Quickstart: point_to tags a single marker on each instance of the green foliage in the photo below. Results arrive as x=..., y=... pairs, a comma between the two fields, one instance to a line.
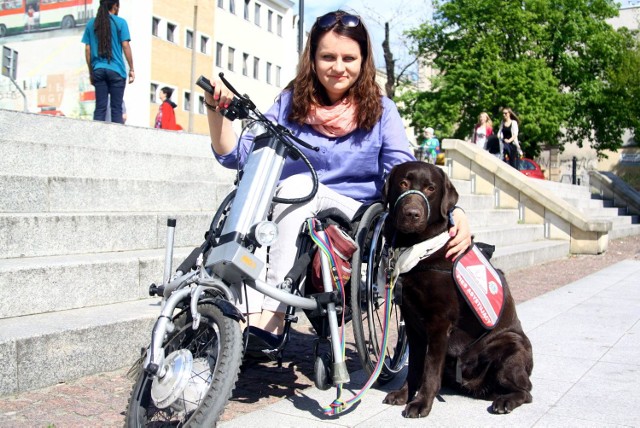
x=567, y=73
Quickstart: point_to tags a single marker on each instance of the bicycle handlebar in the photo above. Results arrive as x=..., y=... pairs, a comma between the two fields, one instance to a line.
x=242, y=107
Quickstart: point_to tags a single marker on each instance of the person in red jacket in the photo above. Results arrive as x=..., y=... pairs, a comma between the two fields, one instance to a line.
x=166, y=117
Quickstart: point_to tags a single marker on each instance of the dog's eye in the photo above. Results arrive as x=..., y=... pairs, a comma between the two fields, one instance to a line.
x=404, y=184
x=431, y=189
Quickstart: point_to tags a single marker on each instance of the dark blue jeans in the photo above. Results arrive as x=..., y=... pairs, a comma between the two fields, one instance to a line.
x=108, y=83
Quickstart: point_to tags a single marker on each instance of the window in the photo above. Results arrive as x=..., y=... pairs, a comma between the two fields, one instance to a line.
x=278, y=70
x=153, y=90
x=155, y=23
x=256, y=67
x=171, y=30
x=232, y=6
x=279, y=25
x=232, y=54
x=269, y=73
x=245, y=65
x=187, y=101
x=189, y=40
x=201, y=107
x=270, y=21
x=246, y=9
x=256, y=18
x=220, y=3
x=204, y=44
x=218, y=54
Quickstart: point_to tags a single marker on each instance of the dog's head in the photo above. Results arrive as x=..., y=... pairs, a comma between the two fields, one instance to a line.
x=418, y=196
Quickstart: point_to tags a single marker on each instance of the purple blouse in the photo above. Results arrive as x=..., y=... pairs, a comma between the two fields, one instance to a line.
x=354, y=165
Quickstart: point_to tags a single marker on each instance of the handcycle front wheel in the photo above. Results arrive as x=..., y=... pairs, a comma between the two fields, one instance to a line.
x=368, y=293
x=202, y=369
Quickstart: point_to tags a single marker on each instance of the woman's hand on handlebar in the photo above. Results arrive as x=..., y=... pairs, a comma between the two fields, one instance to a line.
x=223, y=138
x=221, y=97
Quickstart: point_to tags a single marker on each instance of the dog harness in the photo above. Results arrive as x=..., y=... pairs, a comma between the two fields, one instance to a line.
x=406, y=258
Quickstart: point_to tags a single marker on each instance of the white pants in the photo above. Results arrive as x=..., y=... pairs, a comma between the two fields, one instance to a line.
x=289, y=219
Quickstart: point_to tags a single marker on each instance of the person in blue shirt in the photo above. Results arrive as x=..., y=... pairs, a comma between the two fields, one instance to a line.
x=335, y=104
x=431, y=146
x=106, y=38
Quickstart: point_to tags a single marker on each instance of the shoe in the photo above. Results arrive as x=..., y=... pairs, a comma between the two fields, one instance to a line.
x=260, y=340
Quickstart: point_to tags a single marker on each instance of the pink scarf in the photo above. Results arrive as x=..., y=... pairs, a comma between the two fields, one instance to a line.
x=333, y=121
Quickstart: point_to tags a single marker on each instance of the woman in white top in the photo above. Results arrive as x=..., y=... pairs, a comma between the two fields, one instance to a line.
x=482, y=131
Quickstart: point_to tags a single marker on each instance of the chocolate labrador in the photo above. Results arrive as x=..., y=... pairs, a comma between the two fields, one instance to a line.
x=447, y=343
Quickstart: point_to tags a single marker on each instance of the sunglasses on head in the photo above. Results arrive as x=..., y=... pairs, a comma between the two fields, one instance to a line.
x=331, y=18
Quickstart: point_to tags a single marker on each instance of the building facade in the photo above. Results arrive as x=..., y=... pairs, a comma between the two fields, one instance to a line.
x=173, y=43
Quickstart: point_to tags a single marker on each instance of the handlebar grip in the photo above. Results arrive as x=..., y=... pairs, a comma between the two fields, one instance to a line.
x=205, y=84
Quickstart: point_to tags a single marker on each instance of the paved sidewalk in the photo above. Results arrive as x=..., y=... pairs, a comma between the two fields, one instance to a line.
x=586, y=346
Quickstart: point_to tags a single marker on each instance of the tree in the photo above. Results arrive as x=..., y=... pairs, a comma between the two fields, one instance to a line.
x=553, y=61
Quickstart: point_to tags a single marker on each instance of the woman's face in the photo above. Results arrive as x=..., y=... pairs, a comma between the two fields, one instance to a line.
x=483, y=118
x=506, y=115
x=338, y=62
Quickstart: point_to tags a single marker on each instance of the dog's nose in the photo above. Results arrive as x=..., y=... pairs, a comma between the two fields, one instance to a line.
x=412, y=213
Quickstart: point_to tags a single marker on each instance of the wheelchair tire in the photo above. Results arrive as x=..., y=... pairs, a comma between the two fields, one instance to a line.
x=368, y=279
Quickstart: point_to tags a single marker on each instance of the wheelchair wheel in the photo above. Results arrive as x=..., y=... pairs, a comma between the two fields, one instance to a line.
x=368, y=279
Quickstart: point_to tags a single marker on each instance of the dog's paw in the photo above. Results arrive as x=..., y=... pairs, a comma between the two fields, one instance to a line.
x=396, y=398
x=418, y=408
x=506, y=403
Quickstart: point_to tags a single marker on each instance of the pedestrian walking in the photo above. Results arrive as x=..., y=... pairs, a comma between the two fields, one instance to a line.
x=106, y=38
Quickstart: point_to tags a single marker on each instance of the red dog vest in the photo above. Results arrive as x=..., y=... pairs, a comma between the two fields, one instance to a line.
x=481, y=286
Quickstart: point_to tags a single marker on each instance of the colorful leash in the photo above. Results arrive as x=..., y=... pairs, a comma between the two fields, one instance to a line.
x=339, y=405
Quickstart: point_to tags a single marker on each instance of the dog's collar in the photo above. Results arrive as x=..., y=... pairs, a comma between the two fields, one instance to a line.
x=414, y=192
x=407, y=258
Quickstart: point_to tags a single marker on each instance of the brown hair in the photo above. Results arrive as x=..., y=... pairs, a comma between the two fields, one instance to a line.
x=365, y=92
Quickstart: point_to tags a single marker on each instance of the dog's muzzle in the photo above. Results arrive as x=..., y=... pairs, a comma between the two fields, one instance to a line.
x=414, y=192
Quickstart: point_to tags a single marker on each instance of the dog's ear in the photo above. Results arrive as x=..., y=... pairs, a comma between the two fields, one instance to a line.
x=385, y=187
x=449, y=195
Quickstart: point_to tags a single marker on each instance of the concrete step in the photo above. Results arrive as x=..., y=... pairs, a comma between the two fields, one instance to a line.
x=56, y=132
x=622, y=230
x=59, y=283
x=46, y=349
x=190, y=161
x=40, y=194
x=475, y=202
x=515, y=257
x=496, y=218
x=564, y=190
x=509, y=235
x=41, y=234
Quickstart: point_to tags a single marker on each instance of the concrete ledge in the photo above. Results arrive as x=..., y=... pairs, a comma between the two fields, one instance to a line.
x=36, y=235
x=43, y=350
x=60, y=283
x=467, y=161
x=73, y=194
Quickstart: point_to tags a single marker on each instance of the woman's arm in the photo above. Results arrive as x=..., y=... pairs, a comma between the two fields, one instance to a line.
x=223, y=138
x=460, y=233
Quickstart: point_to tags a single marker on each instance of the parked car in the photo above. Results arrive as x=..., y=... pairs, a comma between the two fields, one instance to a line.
x=530, y=168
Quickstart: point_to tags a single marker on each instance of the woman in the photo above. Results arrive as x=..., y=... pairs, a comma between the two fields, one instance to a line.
x=508, y=135
x=106, y=38
x=166, y=117
x=335, y=104
x=483, y=130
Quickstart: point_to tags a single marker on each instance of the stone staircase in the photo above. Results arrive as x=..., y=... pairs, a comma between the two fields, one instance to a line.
x=623, y=223
x=83, y=210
